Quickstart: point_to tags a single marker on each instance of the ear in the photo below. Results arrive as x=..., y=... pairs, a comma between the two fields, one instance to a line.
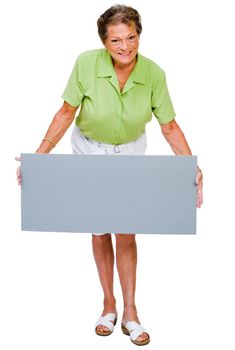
x=104, y=42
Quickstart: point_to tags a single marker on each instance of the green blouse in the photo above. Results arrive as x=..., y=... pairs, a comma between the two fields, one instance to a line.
x=108, y=114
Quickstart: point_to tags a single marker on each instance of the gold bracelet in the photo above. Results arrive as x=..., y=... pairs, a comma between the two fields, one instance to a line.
x=50, y=140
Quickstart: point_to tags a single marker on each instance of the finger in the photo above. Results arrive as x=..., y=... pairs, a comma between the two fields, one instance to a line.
x=198, y=203
x=200, y=185
x=198, y=177
x=19, y=180
x=18, y=158
x=199, y=199
x=18, y=174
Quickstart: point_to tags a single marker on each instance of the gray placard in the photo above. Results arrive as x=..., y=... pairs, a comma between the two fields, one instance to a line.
x=108, y=194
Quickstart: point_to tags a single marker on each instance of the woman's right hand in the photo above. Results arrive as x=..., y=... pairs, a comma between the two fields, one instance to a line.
x=18, y=172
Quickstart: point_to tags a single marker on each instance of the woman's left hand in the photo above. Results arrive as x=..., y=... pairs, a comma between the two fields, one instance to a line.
x=199, y=182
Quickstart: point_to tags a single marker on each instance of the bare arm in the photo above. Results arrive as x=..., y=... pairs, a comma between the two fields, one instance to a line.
x=60, y=123
x=176, y=139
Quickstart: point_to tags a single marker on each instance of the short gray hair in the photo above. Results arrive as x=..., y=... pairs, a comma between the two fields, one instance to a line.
x=118, y=14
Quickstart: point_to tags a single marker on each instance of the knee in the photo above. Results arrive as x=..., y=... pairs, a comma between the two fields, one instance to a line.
x=125, y=238
x=101, y=238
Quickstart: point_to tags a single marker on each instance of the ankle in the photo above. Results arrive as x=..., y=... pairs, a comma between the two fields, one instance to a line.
x=130, y=313
x=109, y=301
x=129, y=306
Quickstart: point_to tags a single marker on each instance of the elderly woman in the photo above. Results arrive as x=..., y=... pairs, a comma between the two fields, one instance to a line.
x=118, y=89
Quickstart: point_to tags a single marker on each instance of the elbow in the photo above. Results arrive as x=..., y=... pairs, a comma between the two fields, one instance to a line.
x=65, y=115
x=168, y=128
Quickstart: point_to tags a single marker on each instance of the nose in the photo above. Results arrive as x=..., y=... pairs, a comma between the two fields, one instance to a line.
x=123, y=45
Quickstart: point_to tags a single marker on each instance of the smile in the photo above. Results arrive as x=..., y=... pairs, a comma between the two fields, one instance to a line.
x=125, y=54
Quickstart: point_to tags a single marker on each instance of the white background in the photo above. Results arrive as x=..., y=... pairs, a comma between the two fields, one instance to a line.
x=50, y=293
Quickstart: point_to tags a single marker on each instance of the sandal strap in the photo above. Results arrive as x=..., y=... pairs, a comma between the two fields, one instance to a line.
x=107, y=321
x=135, y=329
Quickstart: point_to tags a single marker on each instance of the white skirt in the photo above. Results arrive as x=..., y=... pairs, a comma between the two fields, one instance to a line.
x=83, y=145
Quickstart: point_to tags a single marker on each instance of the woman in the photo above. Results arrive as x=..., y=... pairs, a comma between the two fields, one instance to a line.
x=118, y=90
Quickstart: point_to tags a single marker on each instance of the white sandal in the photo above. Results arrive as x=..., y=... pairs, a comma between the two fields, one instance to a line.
x=134, y=330
x=109, y=321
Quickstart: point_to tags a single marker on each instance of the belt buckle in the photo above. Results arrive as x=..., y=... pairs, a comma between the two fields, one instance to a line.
x=118, y=150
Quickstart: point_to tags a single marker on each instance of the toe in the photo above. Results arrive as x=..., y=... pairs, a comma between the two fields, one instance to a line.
x=102, y=328
x=142, y=337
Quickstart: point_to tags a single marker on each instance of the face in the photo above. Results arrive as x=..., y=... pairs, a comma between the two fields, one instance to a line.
x=122, y=42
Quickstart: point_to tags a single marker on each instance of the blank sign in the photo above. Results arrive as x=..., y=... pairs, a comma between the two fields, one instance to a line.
x=146, y=194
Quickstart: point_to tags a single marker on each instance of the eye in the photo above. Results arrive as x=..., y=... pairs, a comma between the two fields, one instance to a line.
x=114, y=40
x=132, y=37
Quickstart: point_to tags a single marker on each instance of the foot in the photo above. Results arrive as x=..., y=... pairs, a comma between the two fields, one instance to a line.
x=108, y=307
x=130, y=314
x=109, y=321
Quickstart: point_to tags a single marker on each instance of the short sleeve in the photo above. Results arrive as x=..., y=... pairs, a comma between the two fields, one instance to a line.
x=73, y=93
x=161, y=102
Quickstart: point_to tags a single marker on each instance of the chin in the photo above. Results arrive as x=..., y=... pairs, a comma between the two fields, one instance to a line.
x=125, y=59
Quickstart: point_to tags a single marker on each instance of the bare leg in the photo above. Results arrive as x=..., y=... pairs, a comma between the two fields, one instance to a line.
x=126, y=256
x=104, y=258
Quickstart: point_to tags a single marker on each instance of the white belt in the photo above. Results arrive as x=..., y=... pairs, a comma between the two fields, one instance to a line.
x=117, y=147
